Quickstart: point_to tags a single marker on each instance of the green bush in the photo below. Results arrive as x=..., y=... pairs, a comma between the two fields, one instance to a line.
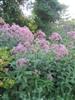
x=43, y=78
x=6, y=81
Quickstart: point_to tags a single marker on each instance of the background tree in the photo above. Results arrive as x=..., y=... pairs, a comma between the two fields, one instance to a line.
x=11, y=12
x=47, y=12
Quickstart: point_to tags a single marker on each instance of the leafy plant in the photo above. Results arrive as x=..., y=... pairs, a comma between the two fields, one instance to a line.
x=5, y=65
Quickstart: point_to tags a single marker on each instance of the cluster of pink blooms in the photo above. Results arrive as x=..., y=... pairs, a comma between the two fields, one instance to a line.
x=4, y=27
x=44, y=44
x=23, y=33
x=41, y=38
x=40, y=34
x=71, y=34
x=55, y=37
x=21, y=47
x=59, y=49
x=26, y=40
x=22, y=62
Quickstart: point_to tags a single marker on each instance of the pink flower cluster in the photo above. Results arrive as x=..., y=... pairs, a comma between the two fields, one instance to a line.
x=55, y=37
x=41, y=39
x=40, y=34
x=71, y=34
x=21, y=48
x=59, y=49
x=4, y=27
x=44, y=44
x=22, y=33
x=26, y=38
x=22, y=62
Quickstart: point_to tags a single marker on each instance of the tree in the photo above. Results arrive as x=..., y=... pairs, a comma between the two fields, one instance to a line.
x=11, y=12
x=47, y=12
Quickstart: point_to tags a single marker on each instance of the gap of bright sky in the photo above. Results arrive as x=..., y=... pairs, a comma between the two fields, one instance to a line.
x=71, y=6
x=69, y=3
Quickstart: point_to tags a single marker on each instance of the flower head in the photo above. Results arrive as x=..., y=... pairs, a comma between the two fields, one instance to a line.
x=55, y=37
x=71, y=34
x=40, y=34
x=60, y=50
x=43, y=43
x=21, y=62
x=19, y=48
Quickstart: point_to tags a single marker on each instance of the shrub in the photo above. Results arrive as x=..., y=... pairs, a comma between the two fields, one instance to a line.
x=42, y=76
x=35, y=68
x=11, y=35
x=6, y=81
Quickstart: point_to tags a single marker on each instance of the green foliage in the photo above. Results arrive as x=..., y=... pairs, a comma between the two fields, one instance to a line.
x=5, y=59
x=46, y=12
x=32, y=82
x=44, y=78
x=11, y=12
x=32, y=25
